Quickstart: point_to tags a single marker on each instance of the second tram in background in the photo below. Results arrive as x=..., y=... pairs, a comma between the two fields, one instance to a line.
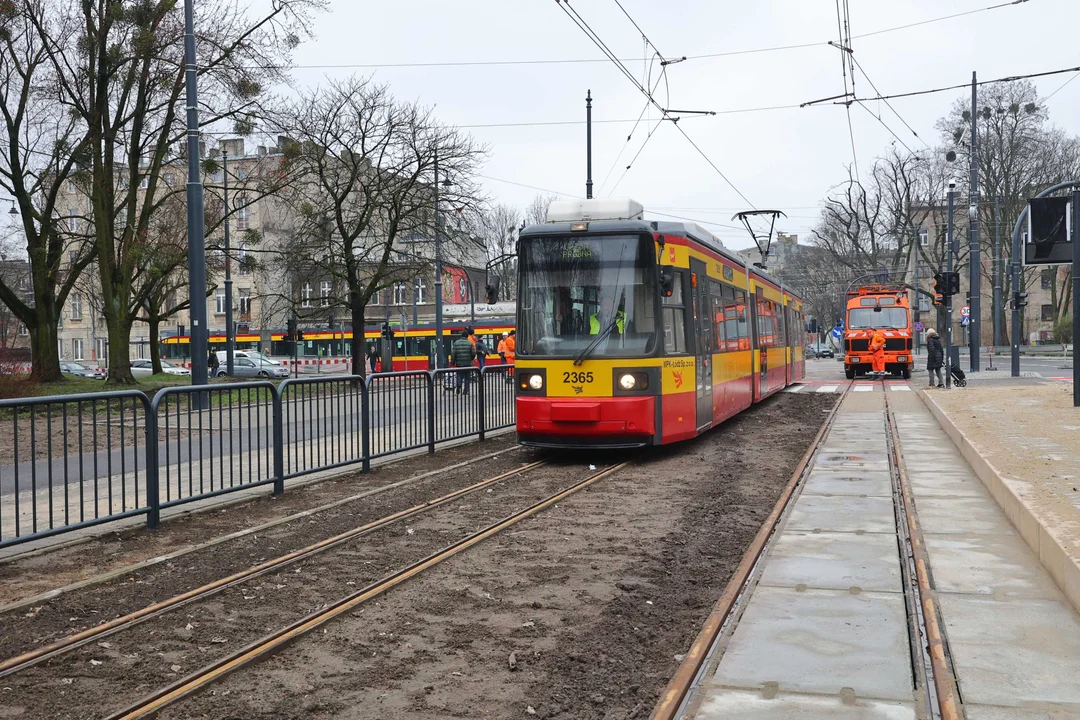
x=878, y=307
x=634, y=332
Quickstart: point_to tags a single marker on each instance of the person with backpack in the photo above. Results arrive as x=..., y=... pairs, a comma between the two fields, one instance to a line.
x=935, y=357
x=463, y=353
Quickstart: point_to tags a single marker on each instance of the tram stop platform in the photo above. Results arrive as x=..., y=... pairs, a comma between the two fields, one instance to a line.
x=826, y=627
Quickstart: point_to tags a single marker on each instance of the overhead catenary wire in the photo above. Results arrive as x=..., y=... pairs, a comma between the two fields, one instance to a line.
x=888, y=105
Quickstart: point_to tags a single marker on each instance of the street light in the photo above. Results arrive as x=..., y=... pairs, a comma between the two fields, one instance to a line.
x=440, y=350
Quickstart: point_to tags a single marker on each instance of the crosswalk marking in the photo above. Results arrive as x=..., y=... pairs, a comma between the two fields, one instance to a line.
x=864, y=388
x=900, y=388
x=828, y=388
x=795, y=388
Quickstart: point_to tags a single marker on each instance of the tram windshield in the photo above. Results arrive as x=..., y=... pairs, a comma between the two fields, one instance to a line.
x=895, y=318
x=587, y=296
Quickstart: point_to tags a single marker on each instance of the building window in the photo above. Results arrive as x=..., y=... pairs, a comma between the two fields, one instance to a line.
x=219, y=304
x=23, y=330
x=102, y=349
x=418, y=283
x=77, y=349
x=399, y=293
x=324, y=293
x=144, y=181
x=242, y=216
x=243, y=261
x=168, y=179
x=376, y=298
x=1047, y=278
x=1047, y=313
x=305, y=296
x=924, y=237
x=60, y=349
x=245, y=303
x=76, y=306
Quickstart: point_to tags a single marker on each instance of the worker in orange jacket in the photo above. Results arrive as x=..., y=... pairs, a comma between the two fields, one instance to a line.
x=877, y=347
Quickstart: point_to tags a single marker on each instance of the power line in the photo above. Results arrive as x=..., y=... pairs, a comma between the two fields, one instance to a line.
x=584, y=61
x=1010, y=78
x=885, y=125
x=531, y=187
x=1060, y=88
x=889, y=105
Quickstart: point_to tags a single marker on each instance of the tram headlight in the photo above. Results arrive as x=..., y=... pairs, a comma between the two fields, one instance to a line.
x=536, y=382
x=628, y=382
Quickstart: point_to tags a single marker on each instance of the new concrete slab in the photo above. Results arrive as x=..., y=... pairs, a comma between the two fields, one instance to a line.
x=845, y=514
x=832, y=483
x=997, y=565
x=960, y=515
x=838, y=561
x=1014, y=653
x=990, y=712
x=727, y=704
x=821, y=641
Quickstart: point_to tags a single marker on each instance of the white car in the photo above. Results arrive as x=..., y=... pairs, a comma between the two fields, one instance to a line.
x=145, y=368
x=254, y=355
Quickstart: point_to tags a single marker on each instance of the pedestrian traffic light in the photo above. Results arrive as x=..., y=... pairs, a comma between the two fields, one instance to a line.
x=299, y=336
x=1020, y=299
x=939, y=287
x=290, y=332
x=939, y=299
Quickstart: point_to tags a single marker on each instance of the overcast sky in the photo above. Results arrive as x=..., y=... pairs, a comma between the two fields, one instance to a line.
x=786, y=159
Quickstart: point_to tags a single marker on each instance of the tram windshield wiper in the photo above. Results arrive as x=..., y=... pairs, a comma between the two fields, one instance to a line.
x=600, y=337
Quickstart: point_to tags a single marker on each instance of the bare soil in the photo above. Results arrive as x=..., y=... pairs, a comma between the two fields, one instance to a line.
x=581, y=612
x=40, y=573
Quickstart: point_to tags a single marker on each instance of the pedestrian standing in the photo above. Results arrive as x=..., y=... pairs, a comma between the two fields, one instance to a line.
x=373, y=357
x=463, y=353
x=482, y=350
x=502, y=348
x=511, y=355
x=212, y=363
x=935, y=357
x=877, y=347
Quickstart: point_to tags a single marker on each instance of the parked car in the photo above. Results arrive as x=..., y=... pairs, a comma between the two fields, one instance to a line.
x=80, y=370
x=244, y=367
x=253, y=355
x=145, y=368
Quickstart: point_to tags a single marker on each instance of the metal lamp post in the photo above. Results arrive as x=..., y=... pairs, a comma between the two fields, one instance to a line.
x=230, y=334
x=440, y=350
x=949, y=298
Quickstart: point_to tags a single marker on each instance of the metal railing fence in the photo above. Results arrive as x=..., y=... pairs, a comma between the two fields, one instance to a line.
x=71, y=461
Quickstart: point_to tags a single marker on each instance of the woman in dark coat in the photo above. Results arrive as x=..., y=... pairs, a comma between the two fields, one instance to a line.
x=935, y=357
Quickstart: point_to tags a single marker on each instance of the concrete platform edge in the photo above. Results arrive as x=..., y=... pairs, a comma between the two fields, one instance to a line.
x=1044, y=541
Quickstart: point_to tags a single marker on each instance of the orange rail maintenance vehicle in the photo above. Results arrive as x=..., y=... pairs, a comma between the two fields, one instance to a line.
x=874, y=308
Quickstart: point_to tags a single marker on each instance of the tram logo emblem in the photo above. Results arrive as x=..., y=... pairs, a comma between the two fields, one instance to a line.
x=678, y=379
x=578, y=389
x=671, y=254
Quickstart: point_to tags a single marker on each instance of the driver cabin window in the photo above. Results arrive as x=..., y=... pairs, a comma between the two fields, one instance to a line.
x=674, y=316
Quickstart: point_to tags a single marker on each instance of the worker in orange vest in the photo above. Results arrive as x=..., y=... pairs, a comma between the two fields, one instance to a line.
x=877, y=346
x=509, y=346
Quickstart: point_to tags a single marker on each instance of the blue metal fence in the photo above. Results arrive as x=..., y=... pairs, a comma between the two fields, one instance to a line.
x=79, y=460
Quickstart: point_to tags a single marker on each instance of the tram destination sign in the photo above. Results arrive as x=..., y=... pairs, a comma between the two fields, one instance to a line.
x=1049, y=229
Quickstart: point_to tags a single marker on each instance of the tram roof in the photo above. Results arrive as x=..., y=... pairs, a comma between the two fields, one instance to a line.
x=689, y=230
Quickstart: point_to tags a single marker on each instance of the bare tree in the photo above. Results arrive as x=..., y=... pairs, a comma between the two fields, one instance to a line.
x=363, y=201
x=497, y=228
x=536, y=210
x=117, y=72
x=43, y=157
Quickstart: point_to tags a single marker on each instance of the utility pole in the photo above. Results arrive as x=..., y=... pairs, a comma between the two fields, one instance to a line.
x=440, y=351
x=916, y=336
x=997, y=271
x=1016, y=289
x=230, y=334
x=588, y=144
x=974, y=264
x=195, y=229
x=949, y=297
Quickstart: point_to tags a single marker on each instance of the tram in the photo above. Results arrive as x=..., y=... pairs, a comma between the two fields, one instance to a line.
x=413, y=347
x=634, y=333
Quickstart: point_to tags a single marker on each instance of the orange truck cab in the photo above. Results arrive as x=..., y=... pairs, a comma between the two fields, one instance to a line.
x=872, y=308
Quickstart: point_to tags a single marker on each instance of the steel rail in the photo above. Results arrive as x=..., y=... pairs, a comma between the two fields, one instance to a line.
x=681, y=683
x=158, y=700
x=945, y=686
x=66, y=644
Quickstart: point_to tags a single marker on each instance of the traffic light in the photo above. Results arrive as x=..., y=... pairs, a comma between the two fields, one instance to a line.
x=953, y=283
x=290, y=331
x=299, y=336
x=1020, y=299
x=492, y=289
x=939, y=299
x=939, y=287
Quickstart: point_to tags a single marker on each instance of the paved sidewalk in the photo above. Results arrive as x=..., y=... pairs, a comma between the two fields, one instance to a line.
x=825, y=632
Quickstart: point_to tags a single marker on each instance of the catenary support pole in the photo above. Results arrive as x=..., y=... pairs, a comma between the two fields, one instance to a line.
x=195, y=229
x=1075, y=291
x=588, y=144
x=440, y=350
x=974, y=264
x=949, y=239
x=230, y=327
x=998, y=269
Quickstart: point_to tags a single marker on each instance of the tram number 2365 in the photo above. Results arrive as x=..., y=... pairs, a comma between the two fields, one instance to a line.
x=578, y=378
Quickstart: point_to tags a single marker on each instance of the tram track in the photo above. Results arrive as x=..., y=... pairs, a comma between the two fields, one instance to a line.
x=163, y=697
x=25, y=660
x=704, y=647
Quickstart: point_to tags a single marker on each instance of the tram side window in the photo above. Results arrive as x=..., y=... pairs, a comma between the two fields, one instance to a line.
x=781, y=325
x=716, y=296
x=764, y=322
x=674, y=317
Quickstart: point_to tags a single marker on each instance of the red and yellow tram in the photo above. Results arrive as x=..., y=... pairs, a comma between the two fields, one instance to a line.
x=634, y=332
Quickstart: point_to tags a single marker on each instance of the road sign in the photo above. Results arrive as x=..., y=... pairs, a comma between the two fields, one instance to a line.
x=965, y=321
x=1049, y=230
x=837, y=332
x=918, y=327
x=965, y=311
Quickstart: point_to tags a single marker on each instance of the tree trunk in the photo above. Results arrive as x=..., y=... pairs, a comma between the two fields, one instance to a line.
x=119, y=353
x=155, y=346
x=44, y=353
